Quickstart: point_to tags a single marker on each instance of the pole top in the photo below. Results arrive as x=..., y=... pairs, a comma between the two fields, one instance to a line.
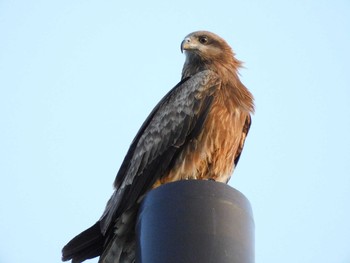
x=195, y=221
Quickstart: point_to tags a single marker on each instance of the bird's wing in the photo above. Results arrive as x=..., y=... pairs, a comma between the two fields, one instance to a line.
x=177, y=118
x=245, y=131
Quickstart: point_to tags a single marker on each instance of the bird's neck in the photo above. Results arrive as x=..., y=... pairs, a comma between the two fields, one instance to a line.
x=192, y=66
x=226, y=67
x=228, y=72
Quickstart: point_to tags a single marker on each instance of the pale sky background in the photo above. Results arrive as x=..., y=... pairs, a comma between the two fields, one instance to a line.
x=77, y=79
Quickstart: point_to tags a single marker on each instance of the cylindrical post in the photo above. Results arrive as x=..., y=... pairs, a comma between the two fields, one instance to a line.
x=195, y=221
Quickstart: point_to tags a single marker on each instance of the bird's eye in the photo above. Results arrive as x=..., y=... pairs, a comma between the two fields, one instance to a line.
x=203, y=40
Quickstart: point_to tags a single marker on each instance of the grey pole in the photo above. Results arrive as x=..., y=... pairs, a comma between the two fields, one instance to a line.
x=195, y=221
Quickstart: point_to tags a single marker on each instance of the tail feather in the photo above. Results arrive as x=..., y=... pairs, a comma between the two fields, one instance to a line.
x=121, y=247
x=86, y=245
x=119, y=250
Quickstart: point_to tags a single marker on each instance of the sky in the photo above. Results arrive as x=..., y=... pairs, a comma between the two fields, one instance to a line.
x=77, y=79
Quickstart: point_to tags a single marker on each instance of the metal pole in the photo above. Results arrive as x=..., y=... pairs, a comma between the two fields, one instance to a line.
x=195, y=221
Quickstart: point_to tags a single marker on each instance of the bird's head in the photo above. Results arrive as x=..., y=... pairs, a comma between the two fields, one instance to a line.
x=205, y=45
x=205, y=50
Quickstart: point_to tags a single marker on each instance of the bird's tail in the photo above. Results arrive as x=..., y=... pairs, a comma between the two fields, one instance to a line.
x=120, y=250
x=88, y=244
x=122, y=245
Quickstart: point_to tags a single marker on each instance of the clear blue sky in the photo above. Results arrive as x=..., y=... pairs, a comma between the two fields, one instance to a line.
x=77, y=79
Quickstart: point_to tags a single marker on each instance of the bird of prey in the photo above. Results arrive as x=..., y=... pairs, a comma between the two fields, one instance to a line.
x=197, y=131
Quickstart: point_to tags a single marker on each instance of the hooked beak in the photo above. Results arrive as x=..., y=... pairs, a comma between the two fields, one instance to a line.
x=186, y=44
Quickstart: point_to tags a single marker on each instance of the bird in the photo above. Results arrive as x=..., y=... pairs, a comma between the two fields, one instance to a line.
x=196, y=132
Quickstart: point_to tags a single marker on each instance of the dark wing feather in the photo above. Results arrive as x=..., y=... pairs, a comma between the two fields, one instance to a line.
x=90, y=248
x=178, y=117
x=126, y=162
x=245, y=131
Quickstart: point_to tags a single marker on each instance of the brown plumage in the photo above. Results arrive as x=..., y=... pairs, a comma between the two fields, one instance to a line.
x=197, y=131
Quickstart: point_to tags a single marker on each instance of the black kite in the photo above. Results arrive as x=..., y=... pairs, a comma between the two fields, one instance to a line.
x=197, y=131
